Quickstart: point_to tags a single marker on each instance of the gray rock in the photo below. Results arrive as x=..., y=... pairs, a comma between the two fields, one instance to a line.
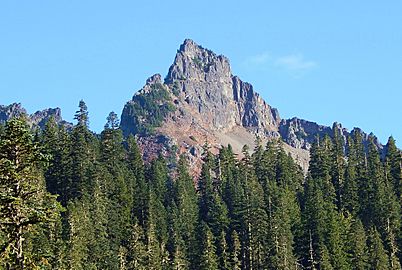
x=211, y=101
x=300, y=133
x=206, y=82
x=10, y=111
x=37, y=119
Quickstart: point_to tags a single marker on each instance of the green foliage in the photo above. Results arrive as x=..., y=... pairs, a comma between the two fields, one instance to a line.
x=260, y=212
x=82, y=114
x=25, y=205
x=358, y=252
x=198, y=62
x=176, y=88
x=208, y=259
x=378, y=259
x=148, y=110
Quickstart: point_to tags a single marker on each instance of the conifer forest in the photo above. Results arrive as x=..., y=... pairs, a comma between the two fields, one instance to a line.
x=74, y=199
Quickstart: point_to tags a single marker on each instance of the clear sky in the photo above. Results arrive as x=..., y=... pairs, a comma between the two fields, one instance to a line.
x=320, y=60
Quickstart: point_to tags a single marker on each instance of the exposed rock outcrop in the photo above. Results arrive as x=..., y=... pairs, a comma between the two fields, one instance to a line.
x=210, y=104
x=205, y=82
x=37, y=119
x=10, y=111
x=201, y=100
x=300, y=133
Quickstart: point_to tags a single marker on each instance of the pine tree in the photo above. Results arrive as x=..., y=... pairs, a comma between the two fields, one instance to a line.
x=99, y=246
x=24, y=202
x=254, y=217
x=320, y=168
x=223, y=252
x=155, y=254
x=118, y=183
x=357, y=246
x=393, y=158
x=338, y=166
x=325, y=262
x=84, y=148
x=385, y=210
x=136, y=250
x=336, y=241
x=314, y=222
x=186, y=199
x=393, y=177
x=363, y=183
x=157, y=233
x=351, y=185
x=176, y=246
x=208, y=259
x=378, y=259
x=235, y=262
x=280, y=231
x=139, y=186
x=82, y=114
x=79, y=234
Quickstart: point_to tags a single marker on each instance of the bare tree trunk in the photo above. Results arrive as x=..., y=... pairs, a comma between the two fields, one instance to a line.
x=20, y=254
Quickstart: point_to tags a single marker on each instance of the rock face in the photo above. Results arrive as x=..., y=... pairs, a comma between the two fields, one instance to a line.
x=37, y=119
x=205, y=81
x=209, y=104
x=10, y=111
x=201, y=100
x=300, y=133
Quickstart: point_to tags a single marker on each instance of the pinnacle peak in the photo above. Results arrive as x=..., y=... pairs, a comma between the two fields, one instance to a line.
x=188, y=45
x=188, y=41
x=156, y=78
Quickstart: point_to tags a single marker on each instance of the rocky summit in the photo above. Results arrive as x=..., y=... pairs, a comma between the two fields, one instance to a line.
x=37, y=119
x=200, y=100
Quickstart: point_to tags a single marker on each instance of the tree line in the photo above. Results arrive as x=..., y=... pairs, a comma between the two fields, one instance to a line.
x=79, y=200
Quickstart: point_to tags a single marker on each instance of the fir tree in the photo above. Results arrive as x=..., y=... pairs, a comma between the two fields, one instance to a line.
x=136, y=254
x=393, y=158
x=357, y=246
x=186, y=199
x=24, y=202
x=208, y=259
x=139, y=187
x=82, y=114
x=338, y=166
x=378, y=259
x=235, y=261
x=351, y=185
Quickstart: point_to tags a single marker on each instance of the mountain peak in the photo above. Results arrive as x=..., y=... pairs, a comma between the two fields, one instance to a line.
x=208, y=100
x=156, y=78
x=201, y=100
x=192, y=61
x=188, y=45
x=37, y=119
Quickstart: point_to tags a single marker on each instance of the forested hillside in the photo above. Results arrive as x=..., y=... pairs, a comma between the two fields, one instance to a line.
x=79, y=200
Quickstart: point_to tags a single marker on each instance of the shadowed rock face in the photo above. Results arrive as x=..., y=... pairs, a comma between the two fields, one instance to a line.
x=37, y=119
x=10, y=111
x=300, y=133
x=201, y=100
x=212, y=104
x=204, y=85
x=208, y=84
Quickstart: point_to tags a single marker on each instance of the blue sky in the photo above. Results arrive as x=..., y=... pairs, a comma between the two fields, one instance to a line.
x=324, y=61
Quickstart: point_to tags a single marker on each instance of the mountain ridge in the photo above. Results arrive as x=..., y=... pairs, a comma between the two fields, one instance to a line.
x=36, y=119
x=214, y=105
x=200, y=100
